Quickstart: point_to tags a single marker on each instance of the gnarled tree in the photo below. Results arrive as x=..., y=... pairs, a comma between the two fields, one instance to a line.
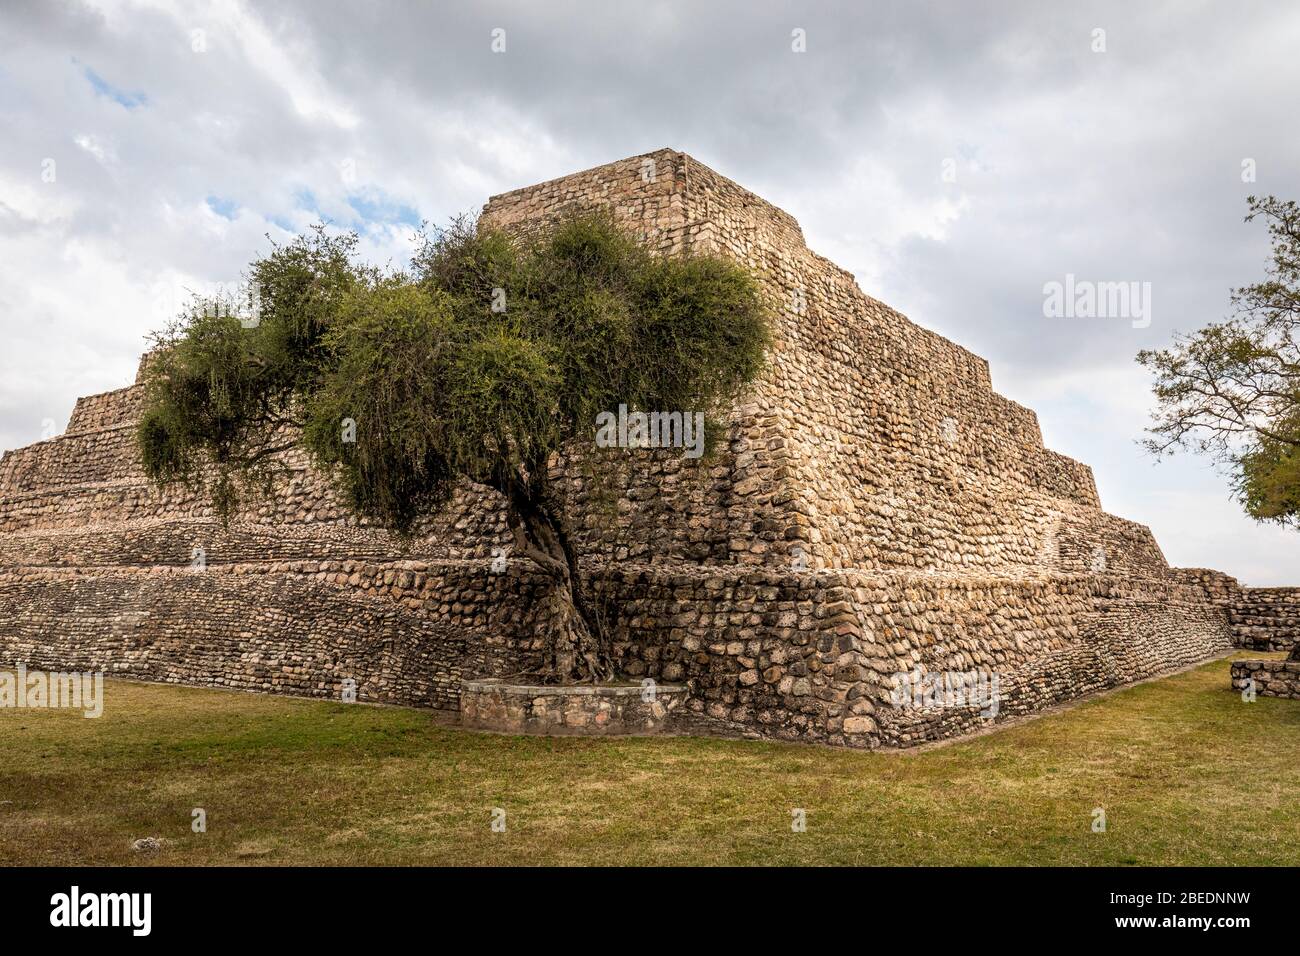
x=485, y=360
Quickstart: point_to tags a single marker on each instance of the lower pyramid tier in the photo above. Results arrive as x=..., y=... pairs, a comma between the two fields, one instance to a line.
x=814, y=656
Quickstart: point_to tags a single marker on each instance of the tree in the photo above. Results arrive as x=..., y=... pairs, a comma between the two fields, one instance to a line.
x=1232, y=389
x=484, y=361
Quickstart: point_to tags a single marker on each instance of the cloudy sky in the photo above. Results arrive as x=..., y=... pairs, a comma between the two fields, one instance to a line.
x=956, y=157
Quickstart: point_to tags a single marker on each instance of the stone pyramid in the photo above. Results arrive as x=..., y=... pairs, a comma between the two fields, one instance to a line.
x=877, y=511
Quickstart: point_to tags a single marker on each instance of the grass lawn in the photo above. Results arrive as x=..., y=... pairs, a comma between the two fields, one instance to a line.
x=1186, y=773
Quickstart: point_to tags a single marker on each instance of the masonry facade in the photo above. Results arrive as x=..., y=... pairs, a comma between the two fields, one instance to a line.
x=877, y=509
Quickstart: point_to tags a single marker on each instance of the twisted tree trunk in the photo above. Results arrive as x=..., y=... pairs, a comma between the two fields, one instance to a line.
x=575, y=649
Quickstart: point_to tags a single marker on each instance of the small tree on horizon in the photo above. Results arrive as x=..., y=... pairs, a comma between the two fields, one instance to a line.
x=487, y=359
x=1231, y=390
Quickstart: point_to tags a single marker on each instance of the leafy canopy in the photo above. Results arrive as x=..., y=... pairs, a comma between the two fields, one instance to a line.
x=483, y=360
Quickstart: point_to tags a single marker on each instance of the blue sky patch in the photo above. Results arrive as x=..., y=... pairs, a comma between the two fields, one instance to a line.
x=122, y=97
x=370, y=207
x=375, y=206
x=306, y=199
x=225, y=208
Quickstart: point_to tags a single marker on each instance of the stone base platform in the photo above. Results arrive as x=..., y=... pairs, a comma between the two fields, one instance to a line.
x=598, y=710
x=1273, y=678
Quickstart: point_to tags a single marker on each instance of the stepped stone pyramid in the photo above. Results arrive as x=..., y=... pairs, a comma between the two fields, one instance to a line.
x=877, y=510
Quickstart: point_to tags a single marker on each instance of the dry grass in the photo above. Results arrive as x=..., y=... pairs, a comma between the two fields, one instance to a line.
x=1186, y=772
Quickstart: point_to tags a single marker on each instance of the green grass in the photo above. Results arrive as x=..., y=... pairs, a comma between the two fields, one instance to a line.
x=1186, y=772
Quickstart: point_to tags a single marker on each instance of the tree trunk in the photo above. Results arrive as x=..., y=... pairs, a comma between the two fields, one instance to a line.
x=575, y=648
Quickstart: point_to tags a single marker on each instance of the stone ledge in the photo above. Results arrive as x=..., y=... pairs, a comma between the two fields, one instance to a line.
x=582, y=709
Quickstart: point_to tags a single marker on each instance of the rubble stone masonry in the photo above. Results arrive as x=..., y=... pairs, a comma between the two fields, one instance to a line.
x=877, y=509
x=1270, y=678
x=1261, y=619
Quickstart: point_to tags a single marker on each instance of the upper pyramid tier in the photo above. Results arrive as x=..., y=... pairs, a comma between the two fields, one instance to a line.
x=871, y=442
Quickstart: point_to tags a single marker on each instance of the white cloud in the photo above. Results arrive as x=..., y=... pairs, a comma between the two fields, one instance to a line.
x=92, y=144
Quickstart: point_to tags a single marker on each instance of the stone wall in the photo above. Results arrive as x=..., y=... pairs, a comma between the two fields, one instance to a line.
x=1266, y=619
x=798, y=656
x=607, y=709
x=1262, y=619
x=1218, y=588
x=265, y=627
x=1270, y=678
x=876, y=508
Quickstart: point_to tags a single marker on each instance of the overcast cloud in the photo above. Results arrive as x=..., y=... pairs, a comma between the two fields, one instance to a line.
x=178, y=136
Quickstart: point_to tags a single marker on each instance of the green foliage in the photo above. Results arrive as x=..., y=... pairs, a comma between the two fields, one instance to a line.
x=1268, y=477
x=220, y=396
x=391, y=348
x=1232, y=389
x=484, y=361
